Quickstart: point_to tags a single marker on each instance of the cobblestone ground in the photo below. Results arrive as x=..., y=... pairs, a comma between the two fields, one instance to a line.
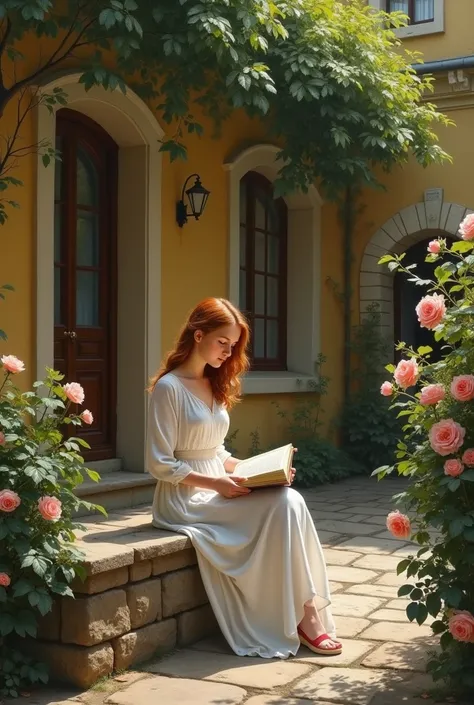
x=383, y=658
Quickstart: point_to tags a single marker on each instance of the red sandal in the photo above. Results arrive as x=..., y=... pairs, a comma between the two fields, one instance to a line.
x=313, y=644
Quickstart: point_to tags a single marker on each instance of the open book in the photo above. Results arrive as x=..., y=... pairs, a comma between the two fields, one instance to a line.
x=267, y=469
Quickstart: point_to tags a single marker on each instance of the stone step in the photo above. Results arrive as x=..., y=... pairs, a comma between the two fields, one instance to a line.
x=117, y=490
x=104, y=467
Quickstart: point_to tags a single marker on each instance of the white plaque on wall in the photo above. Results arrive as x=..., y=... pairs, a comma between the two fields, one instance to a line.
x=433, y=202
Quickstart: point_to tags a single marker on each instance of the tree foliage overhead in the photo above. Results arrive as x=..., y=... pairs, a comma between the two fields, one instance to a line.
x=324, y=73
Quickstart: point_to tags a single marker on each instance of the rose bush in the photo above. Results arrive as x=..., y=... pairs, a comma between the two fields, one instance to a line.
x=437, y=452
x=39, y=469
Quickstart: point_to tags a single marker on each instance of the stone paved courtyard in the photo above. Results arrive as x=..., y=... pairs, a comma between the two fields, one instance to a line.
x=383, y=658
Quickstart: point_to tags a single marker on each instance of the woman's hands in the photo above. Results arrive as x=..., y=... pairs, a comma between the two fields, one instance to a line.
x=230, y=487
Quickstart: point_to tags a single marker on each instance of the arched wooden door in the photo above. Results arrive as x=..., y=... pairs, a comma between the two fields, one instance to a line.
x=85, y=291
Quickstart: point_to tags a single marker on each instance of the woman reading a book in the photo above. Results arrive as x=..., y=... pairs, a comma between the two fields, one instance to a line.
x=258, y=551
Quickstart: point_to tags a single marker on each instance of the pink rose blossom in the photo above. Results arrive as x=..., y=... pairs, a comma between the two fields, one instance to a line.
x=461, y=626
x=4, y=580
x=2, y=439
x=87, y=416
x=386, y=389
x=446, y=437
x=468, y=457
x=399, y=525
x=74, y=392
x=434, y=247
x=466, y=229
x=49, y=508
x=12, y=364
x=462, y=387
x=453, y=467
x=406, y=373
x=431, y=311
x=432, y=394
x=9, y=501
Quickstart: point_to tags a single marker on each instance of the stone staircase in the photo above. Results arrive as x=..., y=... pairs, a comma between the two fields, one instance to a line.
x=117, y=488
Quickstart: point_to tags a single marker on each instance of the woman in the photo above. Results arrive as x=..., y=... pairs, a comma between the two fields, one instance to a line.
x=258, y=552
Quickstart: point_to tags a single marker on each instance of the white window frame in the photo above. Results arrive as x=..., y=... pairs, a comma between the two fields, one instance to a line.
x=417, y=30
x=303, y=278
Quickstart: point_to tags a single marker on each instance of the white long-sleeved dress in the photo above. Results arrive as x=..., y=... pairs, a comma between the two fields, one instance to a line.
x=259, y=555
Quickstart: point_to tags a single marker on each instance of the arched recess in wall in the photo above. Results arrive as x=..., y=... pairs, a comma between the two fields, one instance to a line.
x=135, y=130
x=406, y=228
x=303, y=270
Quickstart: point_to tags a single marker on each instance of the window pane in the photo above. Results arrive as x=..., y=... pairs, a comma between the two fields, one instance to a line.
x=260, y=251
x=87, y=181
x=260, y=211
x=259, y=338
x=273, y=254
x=243, y=201
x=272, y=296
x=57, y=233
x=57, y=296
x=272, y=339
x=243, y=247
x=87, y=239
x=398, y=6
x=259, y=294
x=87, y=298
x=273, y=217
x=424, y=10
x=58, y=172
x=243, y=289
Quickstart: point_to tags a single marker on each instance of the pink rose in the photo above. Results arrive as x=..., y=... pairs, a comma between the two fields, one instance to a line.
x=461, y=626
x=434, y=247
x=49, y=508
x=468, y=457
x=2, y=438
x=386, y=389
x=462, y=387
x=466, y=229
x=87, y=416
x=13, y=364
x=9, y=501
x=432, y=394
x=431, y=311
x=453, y=467
x=399, y=525
x=446, y=437
x=406, y=373
x=4, y=580
x=74, y=392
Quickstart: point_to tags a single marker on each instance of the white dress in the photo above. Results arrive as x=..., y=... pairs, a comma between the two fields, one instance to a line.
x=259, y=555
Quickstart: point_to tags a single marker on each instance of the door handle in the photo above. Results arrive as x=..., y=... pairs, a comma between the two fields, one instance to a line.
x=70, y=334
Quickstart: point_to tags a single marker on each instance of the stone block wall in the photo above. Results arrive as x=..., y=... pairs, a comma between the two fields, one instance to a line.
x=126, y=611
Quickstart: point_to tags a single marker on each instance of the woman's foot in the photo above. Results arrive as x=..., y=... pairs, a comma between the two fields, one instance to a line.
x=311, y=629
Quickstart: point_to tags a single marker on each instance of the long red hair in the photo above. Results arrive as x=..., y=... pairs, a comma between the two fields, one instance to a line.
x=208, y=316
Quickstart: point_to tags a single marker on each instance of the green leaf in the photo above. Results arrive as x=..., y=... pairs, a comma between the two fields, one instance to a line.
x=456, y=527
x=438, y=627
x=462, y=246
x=422, y=614
x=433, y=603
x=7, y=623
x=412, y=610
x=403, y=565
x=405, y=590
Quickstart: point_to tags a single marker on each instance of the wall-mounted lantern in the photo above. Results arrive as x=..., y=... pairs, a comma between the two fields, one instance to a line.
x=197, y=197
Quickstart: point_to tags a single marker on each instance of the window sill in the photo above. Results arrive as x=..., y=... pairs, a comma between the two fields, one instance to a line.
x=277, y=383
x=420, y=30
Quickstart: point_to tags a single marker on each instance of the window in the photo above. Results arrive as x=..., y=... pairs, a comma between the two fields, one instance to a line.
x=263, y=275
x=419, y=11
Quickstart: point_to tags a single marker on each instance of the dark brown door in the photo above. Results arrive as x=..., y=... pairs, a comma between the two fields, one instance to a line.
x=85, y=272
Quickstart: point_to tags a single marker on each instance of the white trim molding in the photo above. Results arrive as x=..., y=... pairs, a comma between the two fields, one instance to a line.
x=417, y=30
x=136, y=131
x=433, y=217
x=304, y=275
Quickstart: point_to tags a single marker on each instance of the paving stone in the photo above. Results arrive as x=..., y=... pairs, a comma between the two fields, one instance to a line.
x=394, y=631
x=47, y=696
x=326, y=514
x=356, y=686
x=350, y=626
x=327, y=538
x=409, y=657
x=281, y=700
x=386, y=615
x=335, y=587
x=387, y=591
x=370, y=510
x=372, y=545
x=333, y=556
x=353, y=650
x=344, y=574
x=389, y=535
x=214, y=644
x=354, y=605
x=391, y=579
x=326, y=506
x=409, y=691
x=177, y=691
x=248, y=672
x=377, y=562
x=399, y=603
x=346, y=527
x=379, y=520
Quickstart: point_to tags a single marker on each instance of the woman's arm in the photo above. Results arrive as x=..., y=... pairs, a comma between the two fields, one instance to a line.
x=230, y=463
